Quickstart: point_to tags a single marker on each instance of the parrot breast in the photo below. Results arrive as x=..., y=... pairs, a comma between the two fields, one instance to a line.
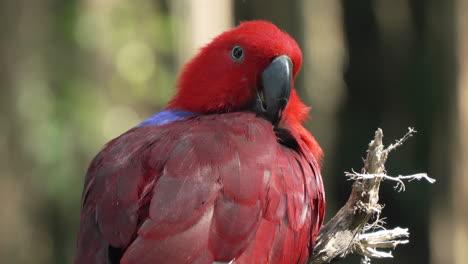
x=182, y=189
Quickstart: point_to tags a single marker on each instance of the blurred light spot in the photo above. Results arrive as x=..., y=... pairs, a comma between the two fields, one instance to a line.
x=117, y=120
x=4, y=130
x=83, y=33
x=93, y=31
x=43, y=142
x=135, y=62
x=33, y=105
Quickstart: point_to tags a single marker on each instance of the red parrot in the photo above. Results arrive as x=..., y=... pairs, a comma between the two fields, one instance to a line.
x=225, y=174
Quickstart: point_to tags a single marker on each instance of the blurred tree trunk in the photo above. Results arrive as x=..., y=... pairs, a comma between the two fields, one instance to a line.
x=360, y=112
x=199, y=21
x=287, y=15
x=323, y=88
x=25, y=32
x=460, y=161
x=447, y=146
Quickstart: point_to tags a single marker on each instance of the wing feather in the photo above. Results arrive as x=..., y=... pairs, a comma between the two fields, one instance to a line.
x=210, y=188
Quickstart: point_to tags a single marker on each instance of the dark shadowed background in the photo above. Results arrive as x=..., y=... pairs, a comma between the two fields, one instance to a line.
x=75, y=74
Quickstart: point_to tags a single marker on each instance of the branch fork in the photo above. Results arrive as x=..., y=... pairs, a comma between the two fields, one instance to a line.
x=346, y=233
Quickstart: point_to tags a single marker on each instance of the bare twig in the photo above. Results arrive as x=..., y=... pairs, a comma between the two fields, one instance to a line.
x=399, y=142
x=345, y=232
x=400, y=185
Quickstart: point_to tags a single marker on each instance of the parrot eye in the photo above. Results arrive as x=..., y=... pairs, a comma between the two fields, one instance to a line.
x=237, y=53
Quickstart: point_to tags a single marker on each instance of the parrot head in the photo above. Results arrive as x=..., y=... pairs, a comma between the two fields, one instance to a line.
x=249, y=68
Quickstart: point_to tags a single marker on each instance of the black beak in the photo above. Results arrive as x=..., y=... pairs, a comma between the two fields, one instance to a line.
x=276, y=83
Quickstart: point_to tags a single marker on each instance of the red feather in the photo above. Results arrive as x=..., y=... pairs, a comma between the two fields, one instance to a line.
x=222, y=188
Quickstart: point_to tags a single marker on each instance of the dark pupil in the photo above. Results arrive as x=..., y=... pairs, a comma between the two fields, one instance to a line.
x=237, y=52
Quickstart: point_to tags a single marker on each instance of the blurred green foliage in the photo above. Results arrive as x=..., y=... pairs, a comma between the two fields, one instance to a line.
x=83, y=73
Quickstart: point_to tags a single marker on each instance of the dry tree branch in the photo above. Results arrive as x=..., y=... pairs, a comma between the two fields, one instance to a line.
x=345, y=232
x=400, y=185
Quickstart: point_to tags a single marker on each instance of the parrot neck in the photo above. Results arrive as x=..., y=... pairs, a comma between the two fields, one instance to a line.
x=295, y=114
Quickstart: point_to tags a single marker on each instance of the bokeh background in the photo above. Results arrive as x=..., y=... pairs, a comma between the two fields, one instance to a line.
x=75, y=74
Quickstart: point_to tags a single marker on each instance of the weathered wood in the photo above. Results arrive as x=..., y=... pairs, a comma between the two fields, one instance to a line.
x=343, y=234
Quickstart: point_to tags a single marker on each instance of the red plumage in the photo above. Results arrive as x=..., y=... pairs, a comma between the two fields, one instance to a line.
x=216, y=186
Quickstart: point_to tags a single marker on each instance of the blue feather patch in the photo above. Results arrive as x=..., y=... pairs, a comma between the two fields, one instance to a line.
x=166, y=117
